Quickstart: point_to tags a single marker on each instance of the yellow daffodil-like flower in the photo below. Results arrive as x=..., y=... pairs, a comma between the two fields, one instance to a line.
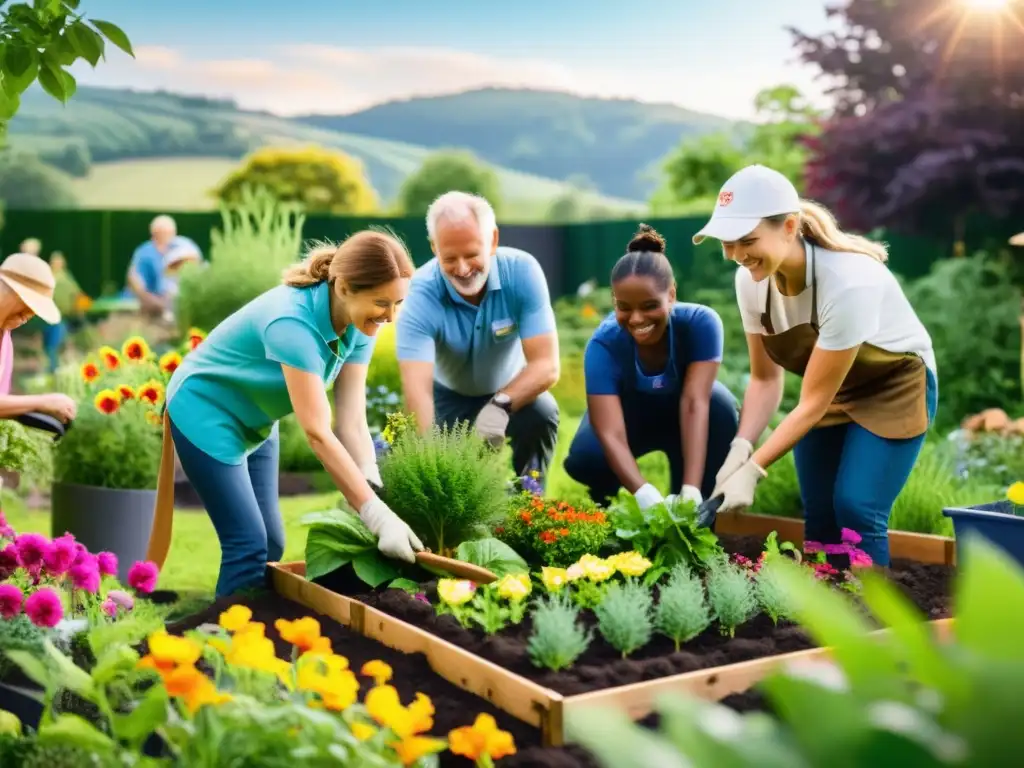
x=378, y=670
x=384, y=706
x=136, y=349
x=362, y=731
x=455, y=591
x=482, y=740
x=596, y=569
x=252, y=651
x=553, y=579
x=170, y=361
x=1016, y=493
x=169, y=651
x=303, y=633
x=235, y=617
x=629, y=563
x=514, y=587
x=328, y=676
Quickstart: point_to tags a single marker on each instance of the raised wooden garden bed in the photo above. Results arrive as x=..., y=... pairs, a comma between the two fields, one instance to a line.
x=540, y=705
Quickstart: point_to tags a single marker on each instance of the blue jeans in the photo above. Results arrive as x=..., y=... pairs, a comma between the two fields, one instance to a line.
x=53, y=338
x=653, y=424
x=850, y=478
x=241, y=500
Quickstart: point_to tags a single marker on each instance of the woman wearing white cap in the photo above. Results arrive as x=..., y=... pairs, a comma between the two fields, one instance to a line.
x=820, y=303
x=26, y=290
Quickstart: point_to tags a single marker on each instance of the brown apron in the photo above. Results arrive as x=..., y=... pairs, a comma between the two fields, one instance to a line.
x=163, y=518
x=884, y=392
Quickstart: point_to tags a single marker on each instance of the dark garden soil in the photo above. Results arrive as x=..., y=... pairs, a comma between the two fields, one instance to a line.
x=602, y=667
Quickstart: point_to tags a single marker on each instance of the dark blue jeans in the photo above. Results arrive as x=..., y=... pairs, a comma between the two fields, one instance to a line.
x=241, y=501
x=850, y=478
x=653, y=424
x=53, y=339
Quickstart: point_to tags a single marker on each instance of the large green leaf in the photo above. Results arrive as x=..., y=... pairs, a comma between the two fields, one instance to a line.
x=20, y=66
x=85, y=41
x=34, y=668
x=75, y=731
x=148, y=714
x=114, y=34
x=496, y=556
x=619, y=742
x=374, y=568
x=988, y=600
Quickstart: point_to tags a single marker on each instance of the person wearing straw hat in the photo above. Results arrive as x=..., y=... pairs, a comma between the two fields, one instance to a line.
x=821, y=303
x=26, y=291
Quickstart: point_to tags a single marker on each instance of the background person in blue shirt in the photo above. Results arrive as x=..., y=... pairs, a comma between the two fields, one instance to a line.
x=651, y=372
x=274, y=356
x=146, y=279
x=476, y=340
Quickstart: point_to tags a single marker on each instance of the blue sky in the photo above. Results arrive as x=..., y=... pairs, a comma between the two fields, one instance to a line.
x=323, y=56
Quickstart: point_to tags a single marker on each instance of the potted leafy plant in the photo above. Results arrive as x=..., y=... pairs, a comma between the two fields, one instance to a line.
x=105, y=467
x=1001, y=522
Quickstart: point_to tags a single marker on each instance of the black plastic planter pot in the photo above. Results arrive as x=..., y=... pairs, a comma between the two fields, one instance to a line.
x=26, y=704
x=105, y=520
x=995, y=521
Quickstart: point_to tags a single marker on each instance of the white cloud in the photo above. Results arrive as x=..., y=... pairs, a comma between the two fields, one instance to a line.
x=294, y=79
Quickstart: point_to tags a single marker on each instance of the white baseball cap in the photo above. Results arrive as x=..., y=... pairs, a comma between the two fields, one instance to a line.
x=750, y=194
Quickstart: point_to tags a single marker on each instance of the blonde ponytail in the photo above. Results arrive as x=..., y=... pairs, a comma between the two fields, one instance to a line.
x=819, y=226
x=313, y=269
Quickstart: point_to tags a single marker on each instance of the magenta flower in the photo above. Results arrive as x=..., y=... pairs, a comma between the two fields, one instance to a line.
x=108, y=563
x=142, y=576
x=32, y=549
x=422, y=597
x=850, y=536
x=6, y=532
x=110, y=608
x=837, y=549
x=61, y=555
x=10, y=601
x=85, y=576
x=121, y=599
x=44, y=608
x=812, y=547
x=10, y=561
x=860, y=559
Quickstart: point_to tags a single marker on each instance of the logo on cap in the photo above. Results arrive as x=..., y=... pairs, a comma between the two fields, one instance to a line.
x=724, y=199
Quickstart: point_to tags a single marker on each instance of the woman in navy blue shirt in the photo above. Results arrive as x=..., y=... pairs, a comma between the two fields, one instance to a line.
x=651, y=372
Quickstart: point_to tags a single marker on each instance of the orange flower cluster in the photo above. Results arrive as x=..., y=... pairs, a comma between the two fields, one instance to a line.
x=561, y=512
x=551, y=536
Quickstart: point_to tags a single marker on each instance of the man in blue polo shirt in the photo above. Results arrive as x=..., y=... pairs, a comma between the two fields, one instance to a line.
x=476, y=339
x=146, y=280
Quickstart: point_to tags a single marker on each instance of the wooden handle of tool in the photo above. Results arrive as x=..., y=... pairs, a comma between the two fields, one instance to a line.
x=457, y=568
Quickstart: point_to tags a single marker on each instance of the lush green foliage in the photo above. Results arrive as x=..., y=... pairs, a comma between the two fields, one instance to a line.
x=339, y=538
x=730, y=595
x=682, y=611
x=444, y=171
x=625, y=616
x=558, y=638
x=28, y=452
x=26, y=183
x=552, y=532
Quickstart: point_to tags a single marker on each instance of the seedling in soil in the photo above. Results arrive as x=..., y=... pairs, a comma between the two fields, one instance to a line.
x=771, y=594
x=731, y=595
x=624, y=616
x=557, y=639
x=682, y=611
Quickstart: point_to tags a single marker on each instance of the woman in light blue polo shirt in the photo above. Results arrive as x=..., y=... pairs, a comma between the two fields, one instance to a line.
x=651, y=372
x=275, y=356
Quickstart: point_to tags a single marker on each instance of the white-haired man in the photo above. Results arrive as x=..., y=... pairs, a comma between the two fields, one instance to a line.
x=476, y=339
x=146, y=277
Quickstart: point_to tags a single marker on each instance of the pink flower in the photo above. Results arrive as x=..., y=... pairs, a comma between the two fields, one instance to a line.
x=142, y=576
x=61, y=555
x=85, y=576
x=108, y=563
x=6, y=532
x=10, y=601
x=837, y=549
x=110, y=608
x=32, y=549
x=121, y=599
x=10, y=561
x=44, y=608
x=850, y=536
x=811, y=547
x=422, y=597
x=860, y=559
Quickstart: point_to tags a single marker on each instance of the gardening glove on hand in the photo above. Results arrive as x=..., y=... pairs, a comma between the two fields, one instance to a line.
x=394, y=537
x=372, y=475
x=647, y=496
x=739, y=454
x=688, y=493
x=738, y=489
x=491, y=423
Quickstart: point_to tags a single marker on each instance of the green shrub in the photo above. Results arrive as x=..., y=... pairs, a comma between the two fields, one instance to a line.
x=624, y=617
x=558, y=638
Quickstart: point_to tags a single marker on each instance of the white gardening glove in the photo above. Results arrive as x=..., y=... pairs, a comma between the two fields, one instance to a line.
x=372, y=474
x=739, y=454
x=491, y=423
x=738, y=489
x=688, y=493
x=647, y=496
x=394, y=537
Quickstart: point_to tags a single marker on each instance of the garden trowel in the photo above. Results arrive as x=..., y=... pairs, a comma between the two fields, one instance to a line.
x=707, y=511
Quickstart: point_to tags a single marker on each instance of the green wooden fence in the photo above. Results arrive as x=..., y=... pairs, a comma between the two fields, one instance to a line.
x=99, y=244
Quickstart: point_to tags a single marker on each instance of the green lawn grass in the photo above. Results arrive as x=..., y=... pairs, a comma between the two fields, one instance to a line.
x=173, y=184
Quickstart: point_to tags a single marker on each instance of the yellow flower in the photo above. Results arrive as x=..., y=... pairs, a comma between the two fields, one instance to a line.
x=235, y=617
x=553, y=578
x=362, y=731
x=151, y=392
x=482, y=739
x=378, y=670
x=107, y=401
x=136, y=349
x=415, y=747
x=170, y=361
x=126, y=392
x=386, y=708
x=196, y=689
x=169, y=651
x=328, y=676
x=89, y=371
x=153, y=418
x=110, y=358
x=251, y=650
x=1016, y=493
x=630, y=563
x=514, y=587
x=574, y=572
x=596, y=569
x=455, y=591
x=303, y=633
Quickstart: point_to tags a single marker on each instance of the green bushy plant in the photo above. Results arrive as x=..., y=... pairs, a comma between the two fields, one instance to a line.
x=447, y=484
x=682, y=611
x=557, y=639
x=731, y=595
x=624, y=617
x=771, y=593
x=552, y=532
x=29, y=452
x=258, y=239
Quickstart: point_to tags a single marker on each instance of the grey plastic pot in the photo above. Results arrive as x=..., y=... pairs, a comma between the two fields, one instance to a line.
x=105, y=520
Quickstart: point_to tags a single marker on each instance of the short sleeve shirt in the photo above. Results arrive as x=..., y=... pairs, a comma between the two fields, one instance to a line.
x=148, y=263
x=229, y=392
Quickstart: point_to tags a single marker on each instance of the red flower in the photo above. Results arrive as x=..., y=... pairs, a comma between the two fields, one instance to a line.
x=548, y=537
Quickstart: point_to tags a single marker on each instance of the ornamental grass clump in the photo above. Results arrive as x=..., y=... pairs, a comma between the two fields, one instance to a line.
x=447, y=484
x=771, y=593
x=558, y=638
x=682, y=611
x=624, y=616
x=731, y=595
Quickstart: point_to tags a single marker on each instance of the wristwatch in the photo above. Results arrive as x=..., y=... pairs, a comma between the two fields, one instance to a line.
x=503, y=401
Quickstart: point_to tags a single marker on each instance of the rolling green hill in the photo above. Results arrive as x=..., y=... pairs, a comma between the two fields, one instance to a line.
x=110, y=127
x=615, y=143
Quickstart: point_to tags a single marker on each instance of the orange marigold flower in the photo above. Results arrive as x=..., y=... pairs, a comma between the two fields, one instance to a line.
x=107, y=401
x=482, y=740
x=126, y=392
x=548, y=537
x=526, y=517
x=90, y=371
x=303, y=633
x=564, y=531
x=110, y=358
x=135, y=349
x=170, y=361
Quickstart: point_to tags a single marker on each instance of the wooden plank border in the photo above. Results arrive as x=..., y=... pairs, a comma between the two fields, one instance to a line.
x=924, y=548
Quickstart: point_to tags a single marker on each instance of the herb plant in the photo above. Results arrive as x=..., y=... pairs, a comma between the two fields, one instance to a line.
x=771, y=593
x=682, y=612
x=557, y=639
x=731, y=595
x=447, y=484
x=624, y=616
